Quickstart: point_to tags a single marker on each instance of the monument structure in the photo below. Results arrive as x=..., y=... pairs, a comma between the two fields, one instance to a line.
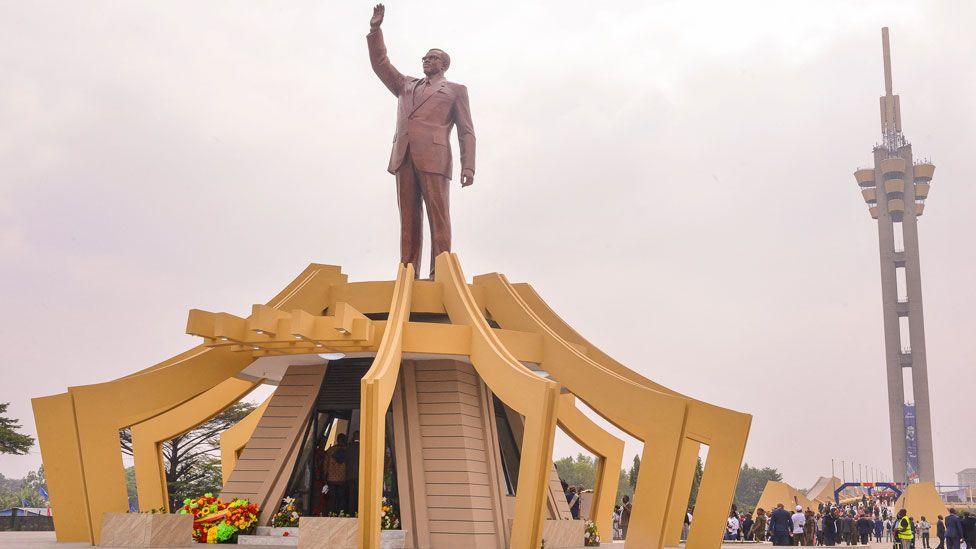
x=895, y=190
x=427, y=109
x=449, y=390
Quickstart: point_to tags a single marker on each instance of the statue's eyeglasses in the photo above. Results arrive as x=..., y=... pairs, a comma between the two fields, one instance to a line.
x=430, y=58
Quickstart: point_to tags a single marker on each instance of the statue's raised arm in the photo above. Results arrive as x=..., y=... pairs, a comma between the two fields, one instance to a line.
x=391, y=77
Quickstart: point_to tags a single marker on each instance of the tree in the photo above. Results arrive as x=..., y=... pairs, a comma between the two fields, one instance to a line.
x=579, y=472
x=191, y=462
x=752, y=481
x=634, y=470
x=12, y=442
x=695, y=483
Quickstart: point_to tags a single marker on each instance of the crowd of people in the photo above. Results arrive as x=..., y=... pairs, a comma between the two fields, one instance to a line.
x=852, y=524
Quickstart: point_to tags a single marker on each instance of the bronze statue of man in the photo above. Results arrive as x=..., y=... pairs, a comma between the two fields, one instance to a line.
x=421, y=159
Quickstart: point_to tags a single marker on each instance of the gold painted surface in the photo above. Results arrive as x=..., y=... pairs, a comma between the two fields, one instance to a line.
x=376, y=392
x=99, y=411
x=148, y=436
x=725, y=431
x=530, y=395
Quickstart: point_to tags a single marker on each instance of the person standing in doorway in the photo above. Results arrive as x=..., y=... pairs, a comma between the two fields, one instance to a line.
x=732, y=527
x=352, y=473
x=335, y=474
x=573, y=500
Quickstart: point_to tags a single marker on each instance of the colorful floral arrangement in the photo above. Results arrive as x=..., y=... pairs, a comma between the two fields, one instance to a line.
x=388, y=517
x=217, y=522
x=592, y=537
x=287, y=515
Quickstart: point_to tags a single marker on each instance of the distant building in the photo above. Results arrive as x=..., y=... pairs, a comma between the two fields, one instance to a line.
x=967, y=477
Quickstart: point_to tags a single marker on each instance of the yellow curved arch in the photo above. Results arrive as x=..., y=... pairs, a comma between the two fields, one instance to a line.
x=724, y=431
x=376, y=392
x=607, y=447
x=646, y=414
x=528, y=394
x=233, y=440
x=148, y=436
x=79, y=432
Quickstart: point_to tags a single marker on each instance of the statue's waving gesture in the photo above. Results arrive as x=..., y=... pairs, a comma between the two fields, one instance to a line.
x=378, y=11
x=429, y=109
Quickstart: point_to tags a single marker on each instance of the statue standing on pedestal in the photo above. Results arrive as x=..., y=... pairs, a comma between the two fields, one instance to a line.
x=421, y=159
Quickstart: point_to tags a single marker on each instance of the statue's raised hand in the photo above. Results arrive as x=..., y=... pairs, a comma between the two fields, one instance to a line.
x=378, y=11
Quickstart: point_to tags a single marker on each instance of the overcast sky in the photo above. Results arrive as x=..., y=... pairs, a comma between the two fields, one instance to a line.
x=675, y=178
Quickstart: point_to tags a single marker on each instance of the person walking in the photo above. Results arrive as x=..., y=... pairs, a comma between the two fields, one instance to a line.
x=746, y=526
x=780, y=526
x=969, y=529
x=903, y=529
x=923, y=532
x=878, y=528
x=573, y=500
x=888, y=525
x=625, y=509
x=830, y=527
x=809, y=528
x=940, y=532
x=864, y=528
x=799, y=521
x=732, y=527
x=759, y=526
x=844, y=529
x=953, y=533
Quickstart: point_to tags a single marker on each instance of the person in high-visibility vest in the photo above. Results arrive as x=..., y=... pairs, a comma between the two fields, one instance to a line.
x=903, y=527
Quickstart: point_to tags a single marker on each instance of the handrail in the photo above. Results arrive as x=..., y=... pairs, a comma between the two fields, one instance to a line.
x=376, y=391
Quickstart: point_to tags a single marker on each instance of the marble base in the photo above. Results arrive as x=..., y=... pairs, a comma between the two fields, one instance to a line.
x=340, y=533
x=563, y=533
x=146, y=530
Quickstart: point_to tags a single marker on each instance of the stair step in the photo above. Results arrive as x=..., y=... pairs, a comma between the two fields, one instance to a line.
x=268, y=541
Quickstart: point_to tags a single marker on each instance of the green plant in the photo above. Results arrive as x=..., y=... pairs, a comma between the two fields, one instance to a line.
x=592, y=536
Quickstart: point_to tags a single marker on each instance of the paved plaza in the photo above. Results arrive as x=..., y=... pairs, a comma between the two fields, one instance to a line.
x=45, y=540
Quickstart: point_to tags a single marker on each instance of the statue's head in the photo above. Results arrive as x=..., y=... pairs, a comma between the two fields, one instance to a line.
x=436, y=62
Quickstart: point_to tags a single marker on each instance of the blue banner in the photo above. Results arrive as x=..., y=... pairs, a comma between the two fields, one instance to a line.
x=911, y=444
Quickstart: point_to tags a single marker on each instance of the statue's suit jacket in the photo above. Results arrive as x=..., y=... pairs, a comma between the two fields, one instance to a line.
x=424, y=121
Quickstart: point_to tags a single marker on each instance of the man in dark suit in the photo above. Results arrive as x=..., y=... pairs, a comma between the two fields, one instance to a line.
x=953, y=530
x=780, y=526
x=421, y=159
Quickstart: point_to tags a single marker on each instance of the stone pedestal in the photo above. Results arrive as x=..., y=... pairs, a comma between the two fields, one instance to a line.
x=340, y=533
x=146, y=530
x=563, y=533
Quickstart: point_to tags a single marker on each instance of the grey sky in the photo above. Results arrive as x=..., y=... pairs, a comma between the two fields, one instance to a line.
x=674, y=177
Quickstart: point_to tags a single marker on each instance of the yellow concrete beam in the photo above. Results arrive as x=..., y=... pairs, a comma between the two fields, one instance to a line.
x=648, y=415
x=99, y=411
x=528, y=394
x=610, y=451
x=376, y=392
x=148, y=437
x=724, y=430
